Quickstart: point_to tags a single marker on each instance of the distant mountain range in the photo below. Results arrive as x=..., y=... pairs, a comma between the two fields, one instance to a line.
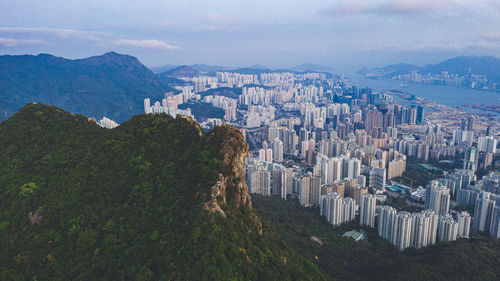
x=182, y=71
x=462, y=66
x=253, y=69
x=163, y=68
x=198, y=67
x=112, y=85
x=389, y=70
x=312, y=67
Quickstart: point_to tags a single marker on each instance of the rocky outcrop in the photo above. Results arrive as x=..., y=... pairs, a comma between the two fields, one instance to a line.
x=217, y=196
x=192, y=122
x=230, y=188
x=35, y=218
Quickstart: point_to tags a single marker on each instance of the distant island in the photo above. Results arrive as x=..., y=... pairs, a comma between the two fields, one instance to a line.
x=464, y=71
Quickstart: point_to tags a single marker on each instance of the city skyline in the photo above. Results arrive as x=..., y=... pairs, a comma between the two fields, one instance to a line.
x=345, y=35
x=271, y=140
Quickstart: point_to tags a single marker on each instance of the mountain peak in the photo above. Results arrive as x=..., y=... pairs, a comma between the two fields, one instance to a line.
x=182, y=71
x=311, y=67
x=258, y=66
x=112, y=58
x=91, y=86
x=140, y=199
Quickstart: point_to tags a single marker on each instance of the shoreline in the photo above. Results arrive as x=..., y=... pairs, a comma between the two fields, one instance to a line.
x=425, y=84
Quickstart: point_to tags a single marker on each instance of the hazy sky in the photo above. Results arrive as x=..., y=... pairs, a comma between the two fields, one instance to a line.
x=344, y=34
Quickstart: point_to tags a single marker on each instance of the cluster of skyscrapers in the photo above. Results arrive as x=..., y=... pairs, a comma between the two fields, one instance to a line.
x=487, y=214
x=331, y=145
x=169, y=105
x=337, y=209
x=417, y=230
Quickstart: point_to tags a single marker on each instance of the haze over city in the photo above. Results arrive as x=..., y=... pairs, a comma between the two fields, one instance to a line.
x=346, y=35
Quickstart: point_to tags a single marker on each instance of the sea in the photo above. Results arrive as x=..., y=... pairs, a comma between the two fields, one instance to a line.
x=447, y=95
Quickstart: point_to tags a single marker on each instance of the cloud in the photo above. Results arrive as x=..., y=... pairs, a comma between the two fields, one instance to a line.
x=59, y=32
x=387, y=7
x=491, y=37
x=211, y=21
x=147, y=44
x=443, y=46
x=214, y=18
x=12, y=42
x=101, y=38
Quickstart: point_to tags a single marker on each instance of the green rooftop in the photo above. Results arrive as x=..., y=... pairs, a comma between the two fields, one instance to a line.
x=354, y=235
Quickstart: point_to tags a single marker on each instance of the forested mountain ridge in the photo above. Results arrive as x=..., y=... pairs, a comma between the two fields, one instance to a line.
x=156, y=198
x=112, y=85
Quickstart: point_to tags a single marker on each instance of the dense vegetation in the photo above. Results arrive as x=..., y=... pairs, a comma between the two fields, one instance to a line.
x=419, y=172
x=342, y=258
x=202, y=111
x=80, y=202
x=172, y=81
x=111, y=85
x=233, y=93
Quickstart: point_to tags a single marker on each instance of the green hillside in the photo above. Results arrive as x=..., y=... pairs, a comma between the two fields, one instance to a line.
x=111, y=85
x=344, y=259
x=138, y=202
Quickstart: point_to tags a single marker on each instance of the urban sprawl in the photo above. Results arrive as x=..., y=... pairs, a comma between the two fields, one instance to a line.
x=317, y=139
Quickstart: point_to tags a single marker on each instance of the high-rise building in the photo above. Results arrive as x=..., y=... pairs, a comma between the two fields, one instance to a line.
x=464, y=221
x=356, y=192
x=373, y=119
x=353, y=168
x=470, y=123
x=424, y=229
x=315, y=191
x=277, y=147
x=403, y=228
x=147, y=106
x=385, y=221
x=483, y=212
x=305, y=190
x=367, y=210
x=288, y=182
x=471, y=159
x=336, y=209
x=495, y=222
x=420, y=114
x=448, y=228
x=260, y=182
x=437, y=197
x=487, y=144
x=277, y=181
x=262, y=154
x=349, y=209
x=463, y=124
x=396, y=168
x=331, y=207
x=377, y=178
x=269, y=155
x=338, y=187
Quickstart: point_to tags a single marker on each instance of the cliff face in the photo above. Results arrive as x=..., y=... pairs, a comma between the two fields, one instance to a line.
x=231, y=189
